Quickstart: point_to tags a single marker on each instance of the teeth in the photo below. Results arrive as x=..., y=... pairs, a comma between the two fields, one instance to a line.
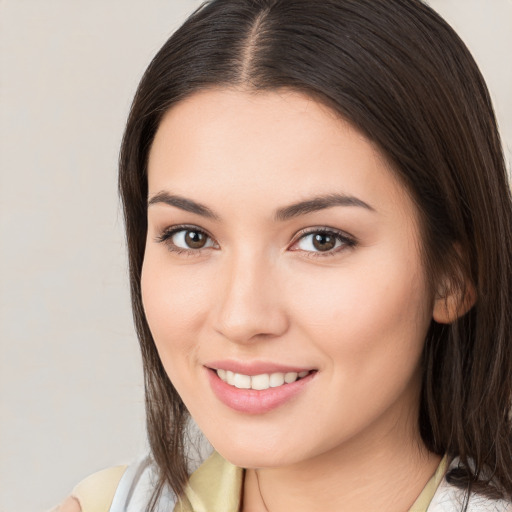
x=290, y=377
x=259, y=382
x=242, y=381
x=276, y=380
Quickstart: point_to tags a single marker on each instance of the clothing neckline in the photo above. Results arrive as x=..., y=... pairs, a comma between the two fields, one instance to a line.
x=217, y=485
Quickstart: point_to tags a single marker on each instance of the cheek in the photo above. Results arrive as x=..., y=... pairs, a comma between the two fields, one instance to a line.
x=175, y=303
x=370, y=328
x=365, y=316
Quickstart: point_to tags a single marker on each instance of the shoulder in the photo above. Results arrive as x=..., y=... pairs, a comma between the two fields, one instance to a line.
x=449, y=498
x=119, y=489
x=136, y=488
x=95, y=493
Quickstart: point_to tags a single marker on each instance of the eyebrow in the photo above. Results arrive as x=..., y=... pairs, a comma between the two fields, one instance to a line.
x=183, y=204
x=319, y=203
x=314, y=204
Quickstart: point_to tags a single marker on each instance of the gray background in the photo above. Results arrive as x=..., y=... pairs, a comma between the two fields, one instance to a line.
x=71, y=398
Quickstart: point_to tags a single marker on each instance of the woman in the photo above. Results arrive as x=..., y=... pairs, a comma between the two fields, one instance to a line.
x=320, y=239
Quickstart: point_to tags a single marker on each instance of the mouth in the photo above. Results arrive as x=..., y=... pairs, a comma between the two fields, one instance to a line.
x=252, y=390
x=262, y=381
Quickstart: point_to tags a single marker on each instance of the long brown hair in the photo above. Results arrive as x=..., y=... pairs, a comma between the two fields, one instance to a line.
x=400, y=74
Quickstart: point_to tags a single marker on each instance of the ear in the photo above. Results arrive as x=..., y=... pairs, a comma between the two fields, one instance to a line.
x=453, y=301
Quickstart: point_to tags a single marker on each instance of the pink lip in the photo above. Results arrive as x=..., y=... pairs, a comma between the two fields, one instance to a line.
x=251, y=401
x=254, y=368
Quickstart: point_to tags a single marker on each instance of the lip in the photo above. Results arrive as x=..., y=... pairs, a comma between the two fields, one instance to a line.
x=251, y=401
x=254, y=367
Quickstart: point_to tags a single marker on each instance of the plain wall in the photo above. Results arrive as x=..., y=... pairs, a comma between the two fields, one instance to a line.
x=71, y=396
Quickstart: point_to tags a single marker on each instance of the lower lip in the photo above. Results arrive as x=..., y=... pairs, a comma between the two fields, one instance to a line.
x=252, y=401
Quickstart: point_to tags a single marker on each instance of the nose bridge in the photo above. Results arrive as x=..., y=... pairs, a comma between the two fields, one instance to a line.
x=249, y=303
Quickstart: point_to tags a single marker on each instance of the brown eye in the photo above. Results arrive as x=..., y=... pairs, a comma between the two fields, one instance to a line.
x=195, y=239
x=186, y=239
x=324, y=241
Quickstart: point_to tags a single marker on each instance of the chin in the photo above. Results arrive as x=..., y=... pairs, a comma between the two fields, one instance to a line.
x=246, y=453
x=252, y=459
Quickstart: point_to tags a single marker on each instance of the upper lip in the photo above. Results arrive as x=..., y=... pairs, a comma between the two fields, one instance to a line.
x=255, y=367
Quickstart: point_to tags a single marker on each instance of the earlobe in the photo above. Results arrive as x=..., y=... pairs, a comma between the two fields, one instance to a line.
x=453, y=302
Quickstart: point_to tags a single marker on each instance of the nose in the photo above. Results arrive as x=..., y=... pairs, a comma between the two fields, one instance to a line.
x=250, y=305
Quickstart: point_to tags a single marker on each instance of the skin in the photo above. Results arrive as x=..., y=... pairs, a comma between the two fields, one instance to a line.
x=260, y=291
x=69, y=505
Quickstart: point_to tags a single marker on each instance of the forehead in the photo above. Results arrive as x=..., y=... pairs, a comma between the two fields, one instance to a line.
x=267, y=146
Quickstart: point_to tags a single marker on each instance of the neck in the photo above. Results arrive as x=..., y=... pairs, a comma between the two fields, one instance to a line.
x=385, y=473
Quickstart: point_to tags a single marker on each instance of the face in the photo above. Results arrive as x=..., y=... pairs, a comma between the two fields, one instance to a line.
x=282, y=280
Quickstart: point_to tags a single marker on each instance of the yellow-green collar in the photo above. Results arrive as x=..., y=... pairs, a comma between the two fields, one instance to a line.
x=423, y=500
x=215, y=486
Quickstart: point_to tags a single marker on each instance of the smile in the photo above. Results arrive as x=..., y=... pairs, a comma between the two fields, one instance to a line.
x=259, y=382
x=257, y=388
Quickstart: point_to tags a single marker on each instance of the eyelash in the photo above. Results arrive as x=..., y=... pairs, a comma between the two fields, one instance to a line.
x=347, y=240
